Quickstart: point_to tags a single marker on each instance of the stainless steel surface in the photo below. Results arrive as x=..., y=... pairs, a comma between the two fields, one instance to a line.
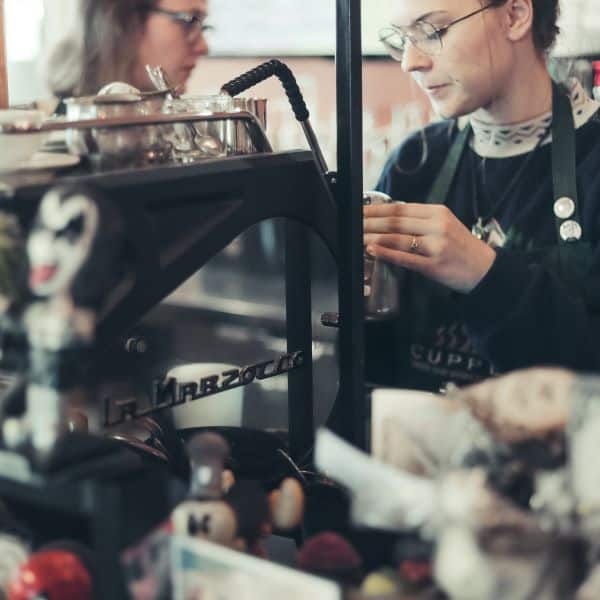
x=237, y=136
x=141, y=139
x=200, y=139
x=188, y=143
x=223, y=138
x=160, y=80
x=142, y=145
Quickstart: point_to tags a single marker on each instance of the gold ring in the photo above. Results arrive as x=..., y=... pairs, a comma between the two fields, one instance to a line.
x=414, y=245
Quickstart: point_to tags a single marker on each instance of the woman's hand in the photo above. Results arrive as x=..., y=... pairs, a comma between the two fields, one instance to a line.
x=429, y=239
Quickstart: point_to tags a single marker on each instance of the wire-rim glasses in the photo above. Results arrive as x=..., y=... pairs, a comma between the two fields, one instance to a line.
x=192, y=23
x=422, y=35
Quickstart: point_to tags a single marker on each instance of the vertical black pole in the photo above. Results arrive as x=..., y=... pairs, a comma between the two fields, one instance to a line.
x=299, y=337
x=352, y=409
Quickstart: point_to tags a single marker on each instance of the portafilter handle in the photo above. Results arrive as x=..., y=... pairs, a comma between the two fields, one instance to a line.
x=284, y=74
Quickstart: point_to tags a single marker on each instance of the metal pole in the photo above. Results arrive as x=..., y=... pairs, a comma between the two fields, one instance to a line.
x=352, y=408
x=3, y=67
x=299, y=338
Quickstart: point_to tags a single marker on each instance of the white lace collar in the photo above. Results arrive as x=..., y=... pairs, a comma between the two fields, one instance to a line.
x=503, y=141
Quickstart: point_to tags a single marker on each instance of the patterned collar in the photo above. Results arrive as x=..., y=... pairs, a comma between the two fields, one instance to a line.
x=503, y=141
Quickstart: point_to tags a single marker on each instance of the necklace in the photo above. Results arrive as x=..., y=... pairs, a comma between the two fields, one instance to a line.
x=564, y=177
x=486, y=227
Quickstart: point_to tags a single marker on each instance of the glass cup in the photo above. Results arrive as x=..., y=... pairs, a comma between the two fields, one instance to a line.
x=220, y=410
x=238, y=139
x=202, y=139
x=381, y=283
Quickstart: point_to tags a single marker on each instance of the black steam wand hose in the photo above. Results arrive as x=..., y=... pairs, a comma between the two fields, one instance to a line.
x=284, y=74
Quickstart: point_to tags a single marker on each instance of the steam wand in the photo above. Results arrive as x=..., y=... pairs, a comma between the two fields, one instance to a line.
x=284, y=74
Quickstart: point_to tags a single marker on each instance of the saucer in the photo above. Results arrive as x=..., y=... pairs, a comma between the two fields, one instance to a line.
x=44, y=161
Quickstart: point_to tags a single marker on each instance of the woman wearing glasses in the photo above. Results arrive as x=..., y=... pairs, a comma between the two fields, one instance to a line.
x=498, y=237
x=122, y=36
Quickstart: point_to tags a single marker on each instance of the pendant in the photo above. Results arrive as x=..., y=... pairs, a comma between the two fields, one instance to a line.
x=490, y=233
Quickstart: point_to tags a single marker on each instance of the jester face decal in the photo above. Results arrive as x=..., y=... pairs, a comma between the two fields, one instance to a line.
x=60, y=242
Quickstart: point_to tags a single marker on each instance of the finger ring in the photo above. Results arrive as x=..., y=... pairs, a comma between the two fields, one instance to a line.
x=414, y=245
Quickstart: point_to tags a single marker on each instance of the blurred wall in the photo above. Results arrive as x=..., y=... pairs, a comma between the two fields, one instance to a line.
x=393, y=105
x=580, y=27
x=23, y=27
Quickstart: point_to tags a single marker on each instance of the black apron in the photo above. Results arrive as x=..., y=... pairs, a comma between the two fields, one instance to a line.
x=571, y=249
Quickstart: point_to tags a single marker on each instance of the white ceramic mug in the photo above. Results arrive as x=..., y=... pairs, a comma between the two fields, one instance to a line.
x=223, y=409
x=17, y=148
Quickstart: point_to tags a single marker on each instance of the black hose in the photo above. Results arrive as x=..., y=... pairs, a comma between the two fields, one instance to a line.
x=273, y=67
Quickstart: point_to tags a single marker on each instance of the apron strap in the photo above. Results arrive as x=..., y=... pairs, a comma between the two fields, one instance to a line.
x=443, y=182
x=564, y=170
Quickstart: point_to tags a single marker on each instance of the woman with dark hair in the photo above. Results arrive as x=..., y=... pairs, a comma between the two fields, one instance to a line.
x=498, y=235
x=122, y=36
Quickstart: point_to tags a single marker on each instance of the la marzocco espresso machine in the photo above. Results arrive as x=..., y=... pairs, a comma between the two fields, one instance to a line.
x=155, y=197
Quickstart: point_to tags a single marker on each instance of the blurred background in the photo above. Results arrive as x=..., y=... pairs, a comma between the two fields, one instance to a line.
x=233, y=310
x=303, y=33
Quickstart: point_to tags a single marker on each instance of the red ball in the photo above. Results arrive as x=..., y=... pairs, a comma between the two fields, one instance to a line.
x=53, y=574
x=330, y=555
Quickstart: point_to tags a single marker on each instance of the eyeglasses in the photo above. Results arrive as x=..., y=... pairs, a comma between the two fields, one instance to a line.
x=192, y=23
x=422, y=35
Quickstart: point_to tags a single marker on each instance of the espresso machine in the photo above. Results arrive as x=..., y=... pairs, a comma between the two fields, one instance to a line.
x=176, y=213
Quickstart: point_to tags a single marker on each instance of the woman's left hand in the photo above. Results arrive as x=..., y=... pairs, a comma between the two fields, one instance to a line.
x=429, y=239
